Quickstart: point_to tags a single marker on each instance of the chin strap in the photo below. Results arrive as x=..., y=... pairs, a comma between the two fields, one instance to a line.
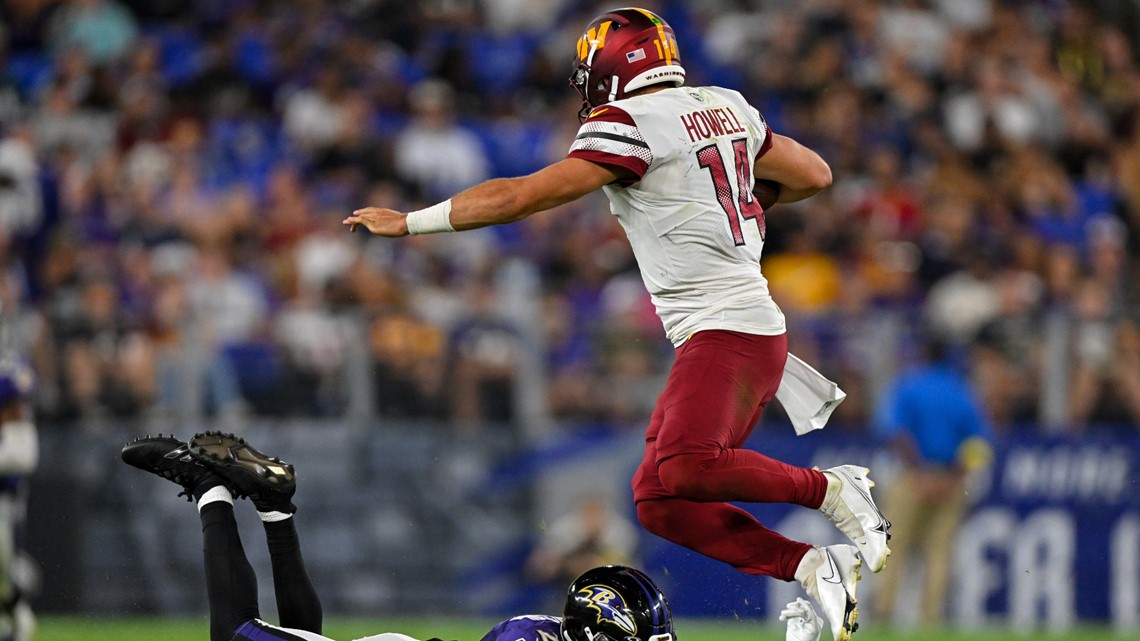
x=584, y=112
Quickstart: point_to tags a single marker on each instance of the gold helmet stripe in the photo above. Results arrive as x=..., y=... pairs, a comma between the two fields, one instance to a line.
x=666, y=47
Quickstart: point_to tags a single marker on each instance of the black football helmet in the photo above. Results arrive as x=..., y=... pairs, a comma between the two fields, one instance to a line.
x=616, y=603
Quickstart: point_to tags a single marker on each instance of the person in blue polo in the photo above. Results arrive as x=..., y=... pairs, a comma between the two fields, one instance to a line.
x=934, y=422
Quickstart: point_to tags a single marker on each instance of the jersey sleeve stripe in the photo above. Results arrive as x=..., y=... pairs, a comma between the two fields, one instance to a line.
x=616, y=147
x=766, y=145
x=620, y=128
x=612, y=136
x=634, y=165
x=610, y=113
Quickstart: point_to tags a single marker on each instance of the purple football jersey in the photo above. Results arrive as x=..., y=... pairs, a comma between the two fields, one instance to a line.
x=528, y=627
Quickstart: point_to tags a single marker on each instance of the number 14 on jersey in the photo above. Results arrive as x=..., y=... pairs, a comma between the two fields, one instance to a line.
x=709, y=158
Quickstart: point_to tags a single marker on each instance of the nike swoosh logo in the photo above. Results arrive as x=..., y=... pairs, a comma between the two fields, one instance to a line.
x=834, y=578
x=598, y=112
x=883, y=524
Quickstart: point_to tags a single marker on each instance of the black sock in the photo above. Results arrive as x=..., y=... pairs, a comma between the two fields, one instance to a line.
x=231, y=585
x=207, y=484
x=297, y=601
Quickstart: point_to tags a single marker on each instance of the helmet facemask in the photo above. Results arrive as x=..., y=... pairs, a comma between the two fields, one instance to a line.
x=580, y=79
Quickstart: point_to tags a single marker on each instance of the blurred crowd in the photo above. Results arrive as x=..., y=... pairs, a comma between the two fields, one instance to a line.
x=173, y=174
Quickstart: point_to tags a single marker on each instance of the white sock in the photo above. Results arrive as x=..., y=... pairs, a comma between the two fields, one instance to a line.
x=270, y=517
x=216, y=493
x=834, y=486
x=809, y=564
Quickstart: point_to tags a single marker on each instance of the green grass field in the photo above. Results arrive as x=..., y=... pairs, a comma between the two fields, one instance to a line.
x=195, y=629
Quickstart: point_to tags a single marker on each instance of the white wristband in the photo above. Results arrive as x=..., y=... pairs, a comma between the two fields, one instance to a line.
x=432, y=220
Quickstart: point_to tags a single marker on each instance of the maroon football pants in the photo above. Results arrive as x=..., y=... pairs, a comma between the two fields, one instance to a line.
x=693, y=464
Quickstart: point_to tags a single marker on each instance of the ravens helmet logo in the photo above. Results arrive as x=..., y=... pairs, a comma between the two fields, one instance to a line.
x=609, y=606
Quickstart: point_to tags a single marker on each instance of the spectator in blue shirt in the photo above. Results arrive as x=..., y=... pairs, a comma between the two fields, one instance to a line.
x=933, y=420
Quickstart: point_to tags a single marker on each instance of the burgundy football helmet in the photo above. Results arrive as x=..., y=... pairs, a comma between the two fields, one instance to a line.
x=623, y=50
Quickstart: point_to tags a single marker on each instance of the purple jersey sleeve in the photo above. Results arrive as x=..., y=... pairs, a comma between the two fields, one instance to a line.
x=528, y=627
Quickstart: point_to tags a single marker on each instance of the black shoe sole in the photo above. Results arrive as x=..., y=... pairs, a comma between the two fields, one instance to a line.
x=248, y=470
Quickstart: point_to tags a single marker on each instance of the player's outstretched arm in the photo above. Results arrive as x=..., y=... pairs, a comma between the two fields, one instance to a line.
x=495, y=202
x=799, y=170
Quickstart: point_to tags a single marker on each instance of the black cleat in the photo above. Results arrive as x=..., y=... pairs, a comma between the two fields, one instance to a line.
x=266, y=480
x=169, y=458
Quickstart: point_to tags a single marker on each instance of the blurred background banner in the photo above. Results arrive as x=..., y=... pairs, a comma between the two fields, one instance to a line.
x=415, y=521
x=466, y=409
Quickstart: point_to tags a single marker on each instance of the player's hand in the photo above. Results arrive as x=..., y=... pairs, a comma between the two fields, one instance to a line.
x=803, y=623
x=379, y=221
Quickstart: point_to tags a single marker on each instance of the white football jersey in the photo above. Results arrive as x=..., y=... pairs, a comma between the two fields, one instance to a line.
x=695, y=228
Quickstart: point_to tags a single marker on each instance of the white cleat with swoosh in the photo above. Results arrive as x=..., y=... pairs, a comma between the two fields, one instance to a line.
x=829, y=575
x=850, y=507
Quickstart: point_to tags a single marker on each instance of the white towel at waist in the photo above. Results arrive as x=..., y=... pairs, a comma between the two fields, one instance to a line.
x=808, y=397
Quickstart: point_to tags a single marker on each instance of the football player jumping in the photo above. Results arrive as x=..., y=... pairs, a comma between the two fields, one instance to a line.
x=679, y=165
x=607, y=603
